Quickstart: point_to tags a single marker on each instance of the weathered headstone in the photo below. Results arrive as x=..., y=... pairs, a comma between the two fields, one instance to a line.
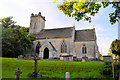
x=20, y=57
x=84, y=59
x=18, y=74
x=67, y=75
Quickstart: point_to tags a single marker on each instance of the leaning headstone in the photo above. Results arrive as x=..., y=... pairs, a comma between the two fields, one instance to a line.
x=67, y=75
x=17, y=73
x=20, y=57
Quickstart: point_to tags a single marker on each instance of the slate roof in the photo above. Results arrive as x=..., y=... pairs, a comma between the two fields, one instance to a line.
x=55, y=33
x=80, y=35
x=85, y=35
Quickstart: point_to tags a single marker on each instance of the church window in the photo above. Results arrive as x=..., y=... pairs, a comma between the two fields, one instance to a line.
x=38, y=47
x=63, y=47
x=84, y=49
x=34, y=25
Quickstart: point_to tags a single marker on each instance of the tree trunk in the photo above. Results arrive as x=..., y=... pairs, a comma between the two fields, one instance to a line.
x=119, y=74
x=113, y=71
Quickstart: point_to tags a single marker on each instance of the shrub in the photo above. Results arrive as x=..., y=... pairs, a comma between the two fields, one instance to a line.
x=107, y=69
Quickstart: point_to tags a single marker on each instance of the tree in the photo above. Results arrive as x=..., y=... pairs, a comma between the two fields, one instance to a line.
x=110, y=53
x=79, y=9
x=15, y=40
x=101, y=57
x=7, y=22
x=115, y=47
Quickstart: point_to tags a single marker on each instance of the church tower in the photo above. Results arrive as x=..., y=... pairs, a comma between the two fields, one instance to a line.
x=37, y=23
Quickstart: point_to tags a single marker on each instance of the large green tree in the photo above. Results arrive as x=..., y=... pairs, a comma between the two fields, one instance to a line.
x=84, y=9
x=115, y=47
x=15, y=40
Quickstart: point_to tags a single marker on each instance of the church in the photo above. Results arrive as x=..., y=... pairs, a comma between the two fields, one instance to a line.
x=62, y=43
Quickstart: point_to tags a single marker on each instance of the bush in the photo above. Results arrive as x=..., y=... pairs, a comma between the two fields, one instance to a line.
x=107, y=69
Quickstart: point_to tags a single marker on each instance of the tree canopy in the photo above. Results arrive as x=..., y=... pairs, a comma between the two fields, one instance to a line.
x=15, y=40
x=84, y=9
x=7, y=22
x=115, y=47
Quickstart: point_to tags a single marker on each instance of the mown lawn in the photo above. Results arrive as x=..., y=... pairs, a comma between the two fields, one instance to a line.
x=52, y=68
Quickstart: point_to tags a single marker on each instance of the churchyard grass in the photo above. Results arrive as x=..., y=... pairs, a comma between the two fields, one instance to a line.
x=51, y=68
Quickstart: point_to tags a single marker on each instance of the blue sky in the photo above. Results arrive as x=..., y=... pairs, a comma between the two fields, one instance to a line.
x=21, y=11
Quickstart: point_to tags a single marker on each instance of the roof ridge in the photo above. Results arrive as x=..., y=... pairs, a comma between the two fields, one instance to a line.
x=59, y=28
x=84, y=30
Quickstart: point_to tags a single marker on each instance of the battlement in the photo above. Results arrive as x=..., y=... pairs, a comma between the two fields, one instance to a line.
x=36, y=15
x=37, y=23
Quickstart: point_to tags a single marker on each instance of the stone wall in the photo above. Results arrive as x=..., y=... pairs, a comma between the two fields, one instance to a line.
x=73, y=48
x=57, y=45
x=91, y=47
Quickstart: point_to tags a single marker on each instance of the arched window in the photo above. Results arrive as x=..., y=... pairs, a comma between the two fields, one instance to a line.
x=38, y=47
x=63, y=47
x=84, y=49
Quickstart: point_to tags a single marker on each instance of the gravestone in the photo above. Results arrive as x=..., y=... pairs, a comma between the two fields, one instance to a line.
x=18, y=74
x=20, y=57
x=67, y=75
x=84, y=59
x=27, y=57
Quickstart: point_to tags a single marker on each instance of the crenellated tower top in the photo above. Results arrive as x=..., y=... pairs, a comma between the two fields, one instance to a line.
x=37, y=23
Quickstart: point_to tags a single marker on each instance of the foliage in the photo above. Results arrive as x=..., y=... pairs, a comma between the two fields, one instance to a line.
x=110, y=53
x=52, y=68
x=80, y=9
x=117, y=68
x=107, y=69
x=15, y=40
x=7, y=22
x=115, y=47
x=101, y=57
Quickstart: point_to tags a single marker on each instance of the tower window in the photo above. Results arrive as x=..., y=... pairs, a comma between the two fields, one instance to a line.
x=35, y=25
x=63, y=47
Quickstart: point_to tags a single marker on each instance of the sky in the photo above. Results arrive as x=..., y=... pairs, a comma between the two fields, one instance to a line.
x=21, y=12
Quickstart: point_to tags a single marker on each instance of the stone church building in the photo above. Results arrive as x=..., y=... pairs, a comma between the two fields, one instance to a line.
x=62, y=43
